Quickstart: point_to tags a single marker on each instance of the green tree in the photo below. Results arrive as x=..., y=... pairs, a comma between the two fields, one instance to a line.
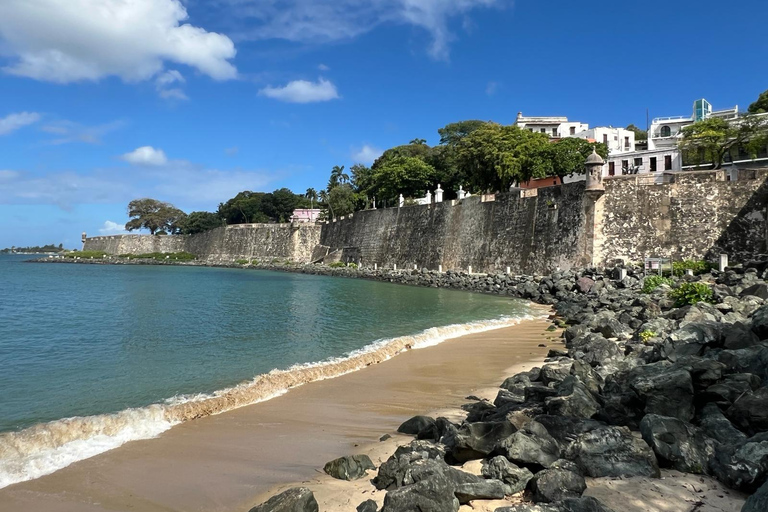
x=639, y=134
x=244, y=208
x=362, y=178
x=418, y=142
x=338, y=176
x=708, y=141
x=405, y=175
x=342, y=200
x=199, y=222
x=760, y=106
x=279, y=205
x=451, y=134
x=568, y=156
x=153, y=215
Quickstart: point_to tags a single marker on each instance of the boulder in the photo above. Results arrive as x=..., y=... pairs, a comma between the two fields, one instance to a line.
x=564, y=429
x=297, y=499
x=584, y=284
x=758, y=502
x=667, y=392
x=715, y=425
x=612, y=451
x=416, y=424
x=742, y=466
x=727, y=391
x=750, y=411
x=552, y=485
x=434, y=494
x=367, y=506
x=573, y=399
x=477, y=440
x=747, y=360
x=583, y=504
x=515, y=478
x=738, y=335
x=480, y=490
x=531, y=446
x=677, y=444
x=349, y=468
x=555, y=372
x=394, y=471
x=760, y=322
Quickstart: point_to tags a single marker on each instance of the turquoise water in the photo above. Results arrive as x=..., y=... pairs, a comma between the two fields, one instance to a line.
x=88, y=340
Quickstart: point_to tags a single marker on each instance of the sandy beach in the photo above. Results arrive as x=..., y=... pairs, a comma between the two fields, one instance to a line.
x=231, y=461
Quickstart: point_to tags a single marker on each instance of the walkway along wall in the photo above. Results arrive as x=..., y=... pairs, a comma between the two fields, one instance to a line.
x=263, y=242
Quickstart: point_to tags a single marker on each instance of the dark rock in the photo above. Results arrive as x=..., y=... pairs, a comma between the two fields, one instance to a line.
x=349, y=468
x=297, y=499
x=612, y=451
x=589, y=377
x=756, y=290
x=714, y=424
x=477, y=440
x=742, y=466
x=481, y=490
x=552, y=485
x=747, y=360
x=515, y=478
x=750, y=411
x=367, y=506
x=758, y=502
x=529, y=507
x=555, y=372
x=505, y=397
x=738, y=335
x=729, y=389
x=574, y=400
x=393, y=472
x=760, y=322
x=385, y=437
x=676, y=444
x=705, y=373
x=565, y=429
x=583, y=504
x=584, y=284
x=539, y=393
x=416, y=424
x=531, y=446
x=434, y=494
x=665, y=392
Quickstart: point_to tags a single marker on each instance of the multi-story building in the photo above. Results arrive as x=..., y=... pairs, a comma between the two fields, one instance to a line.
x=618, y=140
x=666, y=132
x=554, y=127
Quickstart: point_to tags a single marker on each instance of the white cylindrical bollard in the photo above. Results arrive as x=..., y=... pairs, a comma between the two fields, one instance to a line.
x=375, y=266
x=622, y=274
x=723, y=262
x=440, y=268
x=469, y=270
x=394, y=267
x=415, y=267
x=509, y=270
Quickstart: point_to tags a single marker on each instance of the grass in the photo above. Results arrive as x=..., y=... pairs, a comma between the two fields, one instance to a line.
x=161, y=256
x=85, y=254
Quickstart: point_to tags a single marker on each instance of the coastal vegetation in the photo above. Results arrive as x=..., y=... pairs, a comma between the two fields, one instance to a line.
x=34, y=249
x=84, y=254
x=160, y=256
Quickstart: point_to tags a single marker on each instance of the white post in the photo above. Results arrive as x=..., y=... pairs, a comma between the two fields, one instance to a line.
x=375, y=266
x=439, y=194
x=469, y=270
x=622, y=274
x=440, y=268
x=428, y=197
x=509, y=270
x=723, y=262
x=401, y=201
x=374, y=202
x=460, y=193
x=415, y=267
x=688, y=272
x=394, y=267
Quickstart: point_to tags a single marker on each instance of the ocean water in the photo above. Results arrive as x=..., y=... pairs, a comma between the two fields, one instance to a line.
x=94, y=356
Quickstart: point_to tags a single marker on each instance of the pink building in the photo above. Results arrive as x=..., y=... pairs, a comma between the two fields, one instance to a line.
x=305, y=215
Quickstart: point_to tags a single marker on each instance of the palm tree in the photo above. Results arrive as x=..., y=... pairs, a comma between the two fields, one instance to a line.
x=311, y=194
x=337, y=176
x=418, y=142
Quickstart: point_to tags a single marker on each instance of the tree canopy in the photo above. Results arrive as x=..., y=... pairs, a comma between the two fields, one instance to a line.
x=760, y=106
x=154, y=215
x=260, y=207
x=198, y=222
x=639, y=133
x=709, y=141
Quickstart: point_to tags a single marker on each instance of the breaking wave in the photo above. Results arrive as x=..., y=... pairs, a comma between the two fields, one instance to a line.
x=48, y=447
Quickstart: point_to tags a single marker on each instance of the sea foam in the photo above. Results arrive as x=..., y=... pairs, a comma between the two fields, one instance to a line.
x=48, y=447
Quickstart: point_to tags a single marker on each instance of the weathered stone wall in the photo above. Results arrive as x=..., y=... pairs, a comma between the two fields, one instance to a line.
x=693, y=216
x=243, y=241
x=528, y=234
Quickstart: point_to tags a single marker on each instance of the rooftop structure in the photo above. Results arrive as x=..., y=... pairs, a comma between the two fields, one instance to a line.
x=554, y=127
x=665, y=132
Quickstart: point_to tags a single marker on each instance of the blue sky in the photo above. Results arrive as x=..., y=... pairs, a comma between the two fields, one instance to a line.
x=104, y=101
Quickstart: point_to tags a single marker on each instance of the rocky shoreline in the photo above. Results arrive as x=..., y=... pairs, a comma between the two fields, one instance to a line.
x=644, y=383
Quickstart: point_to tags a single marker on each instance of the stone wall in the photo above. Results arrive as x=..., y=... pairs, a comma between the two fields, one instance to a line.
x=529, y=231
x=242, y=241
x=693, y=215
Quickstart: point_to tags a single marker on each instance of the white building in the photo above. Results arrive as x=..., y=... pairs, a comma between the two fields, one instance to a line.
x=643, y=162
x=618, y=140
x=554, y=127
x=666, y=132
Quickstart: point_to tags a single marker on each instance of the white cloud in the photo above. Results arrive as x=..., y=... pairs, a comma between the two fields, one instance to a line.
x=335, y=20
x=302, y=91
x=164, y=83
x=69, y=131
x=146, y=155
x=323, y=67
x=13, y=122
x=366, y=154
x=492, y=88
x=6, y=175
x=71, y=40
x=112, y=228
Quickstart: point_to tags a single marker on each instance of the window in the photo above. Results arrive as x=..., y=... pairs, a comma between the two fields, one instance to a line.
x=626, y=142
x=543, y=130
x=667, y=162
x=624, y=166
x=611, y=168
x=666, y=131
x=638, y=162
x=573, y=130
x=653, y=164
x=530, y=129
x=554, y=132
x=605, y=138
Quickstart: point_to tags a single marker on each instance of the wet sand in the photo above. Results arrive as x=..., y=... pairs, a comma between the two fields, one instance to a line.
x=229, y=461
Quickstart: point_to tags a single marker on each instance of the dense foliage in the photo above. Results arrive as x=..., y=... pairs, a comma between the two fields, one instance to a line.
x=160, y=256
x=650, y=283
x=760, y=106
x=691, y=293
x=198, y=222
x=34, y=249
x=255, y=207
x=709, y=141
x=154, y=215
x=697, y=266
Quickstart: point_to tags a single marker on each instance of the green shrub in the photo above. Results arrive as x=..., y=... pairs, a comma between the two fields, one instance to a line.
x=254, y=262
x=652, y=282
x=161, y=256
x=691, y=293
x=698, y=267
x=241, y=262
x=338, y=264
x=352, y=265
x=85, y=254
x=647, y=335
